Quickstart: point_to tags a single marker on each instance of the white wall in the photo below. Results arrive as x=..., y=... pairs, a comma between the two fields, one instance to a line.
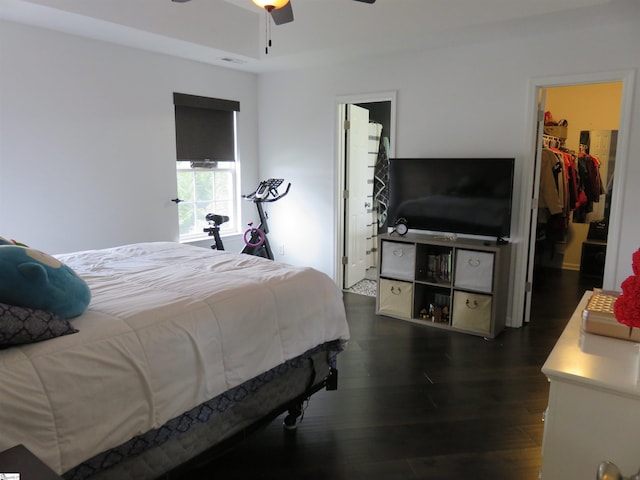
x=87, y=139
x=458, y=101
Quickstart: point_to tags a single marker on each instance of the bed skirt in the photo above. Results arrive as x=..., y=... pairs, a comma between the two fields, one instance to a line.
x=213, y=424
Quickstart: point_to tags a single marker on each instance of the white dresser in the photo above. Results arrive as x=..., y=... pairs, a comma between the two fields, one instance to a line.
x=594, y=404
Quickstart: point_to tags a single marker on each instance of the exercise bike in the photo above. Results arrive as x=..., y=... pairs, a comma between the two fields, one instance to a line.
x=255, y=238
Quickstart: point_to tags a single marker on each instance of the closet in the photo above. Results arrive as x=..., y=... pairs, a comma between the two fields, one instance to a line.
x=361, y=139
x=576, y=177
x=377, y=177
x=376, y=204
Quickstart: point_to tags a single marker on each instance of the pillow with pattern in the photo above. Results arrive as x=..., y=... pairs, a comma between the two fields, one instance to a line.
x=20, y=325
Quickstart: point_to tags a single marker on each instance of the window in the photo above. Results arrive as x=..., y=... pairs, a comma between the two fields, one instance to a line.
x=206, y=163
x=202, y=191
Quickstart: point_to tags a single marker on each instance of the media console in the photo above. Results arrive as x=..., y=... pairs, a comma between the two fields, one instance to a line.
x=455, y=284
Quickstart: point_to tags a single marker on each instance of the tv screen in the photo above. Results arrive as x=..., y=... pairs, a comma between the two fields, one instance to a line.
x=452, y=195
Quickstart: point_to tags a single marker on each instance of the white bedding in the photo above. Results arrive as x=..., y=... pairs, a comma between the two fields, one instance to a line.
x=169, y=326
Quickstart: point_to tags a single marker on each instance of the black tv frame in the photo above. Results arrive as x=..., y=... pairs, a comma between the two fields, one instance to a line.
x=464, y=195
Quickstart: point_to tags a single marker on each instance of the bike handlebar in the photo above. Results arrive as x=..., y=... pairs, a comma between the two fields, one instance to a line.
x=267, y=191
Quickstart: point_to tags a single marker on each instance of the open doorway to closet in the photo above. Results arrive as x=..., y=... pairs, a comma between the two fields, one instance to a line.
x=578, y=133
x=365, y=127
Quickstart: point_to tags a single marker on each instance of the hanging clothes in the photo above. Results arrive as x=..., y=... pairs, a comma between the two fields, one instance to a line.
x=553, y=205
x=552, y=183
x=594, y=181
x=571, y=179
x=590, y=186
x=381, y=184
x=375, y=132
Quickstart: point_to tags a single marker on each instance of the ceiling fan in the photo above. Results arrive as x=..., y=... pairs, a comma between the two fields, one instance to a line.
x=280, y=10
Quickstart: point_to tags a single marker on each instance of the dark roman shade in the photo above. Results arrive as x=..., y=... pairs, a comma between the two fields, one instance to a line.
x=204, y=128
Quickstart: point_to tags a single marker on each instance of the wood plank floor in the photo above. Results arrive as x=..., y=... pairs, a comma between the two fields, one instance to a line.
x=420, y=403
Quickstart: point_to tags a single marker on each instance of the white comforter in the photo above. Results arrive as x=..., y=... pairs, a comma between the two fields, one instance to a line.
x=169, y=326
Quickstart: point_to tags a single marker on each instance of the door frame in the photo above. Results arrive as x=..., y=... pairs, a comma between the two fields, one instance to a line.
x=340, y=166
x=627, y=78
x=533, y=211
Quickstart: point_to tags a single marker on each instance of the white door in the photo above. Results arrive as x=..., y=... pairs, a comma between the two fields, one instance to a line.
x=357, y=201
x=534, y=207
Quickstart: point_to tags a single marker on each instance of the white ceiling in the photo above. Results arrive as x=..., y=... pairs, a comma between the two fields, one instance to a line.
x=232, y=32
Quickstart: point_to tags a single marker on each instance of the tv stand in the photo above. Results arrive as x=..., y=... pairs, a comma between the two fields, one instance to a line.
x=455, y=284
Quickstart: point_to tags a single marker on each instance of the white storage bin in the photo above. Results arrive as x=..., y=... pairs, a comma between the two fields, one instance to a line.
x=471, y=311
x=474, y=270
x=396, y=298
x=398, y=260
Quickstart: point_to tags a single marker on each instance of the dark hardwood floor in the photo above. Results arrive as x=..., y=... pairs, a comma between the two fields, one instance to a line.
x=420, y=403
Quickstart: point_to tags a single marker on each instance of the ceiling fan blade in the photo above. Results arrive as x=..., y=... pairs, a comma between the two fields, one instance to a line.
x=366, y=1
x=283, y=14
x=181, y=1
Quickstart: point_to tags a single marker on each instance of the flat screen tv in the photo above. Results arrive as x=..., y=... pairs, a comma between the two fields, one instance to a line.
x=452, y=195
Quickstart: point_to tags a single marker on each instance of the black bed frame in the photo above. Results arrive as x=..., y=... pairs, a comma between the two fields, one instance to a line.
x=247, y=408
x=294, y=410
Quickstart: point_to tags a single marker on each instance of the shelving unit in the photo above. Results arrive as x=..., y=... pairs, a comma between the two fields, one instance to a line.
x=459, y=284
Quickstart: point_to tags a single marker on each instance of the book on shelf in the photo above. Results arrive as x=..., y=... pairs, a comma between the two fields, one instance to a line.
x=439, y=267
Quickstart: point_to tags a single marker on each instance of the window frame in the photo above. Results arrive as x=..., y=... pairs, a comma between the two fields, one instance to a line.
x=207, y=140
x=226, y=229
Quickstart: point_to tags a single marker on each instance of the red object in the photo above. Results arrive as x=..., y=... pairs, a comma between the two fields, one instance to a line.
x=635, y=265
x=627, y=306
x=548, y=119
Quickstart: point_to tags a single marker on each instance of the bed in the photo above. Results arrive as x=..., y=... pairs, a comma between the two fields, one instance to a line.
x=181, y=349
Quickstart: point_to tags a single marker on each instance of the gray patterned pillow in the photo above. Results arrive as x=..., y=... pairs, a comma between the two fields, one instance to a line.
x=20, y=325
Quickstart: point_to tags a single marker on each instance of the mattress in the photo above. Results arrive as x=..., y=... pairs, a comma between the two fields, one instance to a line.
x=169, y=327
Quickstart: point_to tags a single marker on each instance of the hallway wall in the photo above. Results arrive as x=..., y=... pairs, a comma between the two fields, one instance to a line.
x=464, y=100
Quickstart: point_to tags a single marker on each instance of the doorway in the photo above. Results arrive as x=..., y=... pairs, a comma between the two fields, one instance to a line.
x=360, y=213
x=592, y=104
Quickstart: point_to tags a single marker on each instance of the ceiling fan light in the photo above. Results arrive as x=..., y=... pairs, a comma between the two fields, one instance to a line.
x=271, y=4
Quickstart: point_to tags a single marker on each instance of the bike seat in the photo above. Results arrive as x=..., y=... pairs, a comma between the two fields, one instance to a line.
x=216, y=219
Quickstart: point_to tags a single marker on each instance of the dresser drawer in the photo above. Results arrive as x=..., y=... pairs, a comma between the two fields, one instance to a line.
x=398, y=260
x=474, y=270
x=396, y=298
x=471, y=311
